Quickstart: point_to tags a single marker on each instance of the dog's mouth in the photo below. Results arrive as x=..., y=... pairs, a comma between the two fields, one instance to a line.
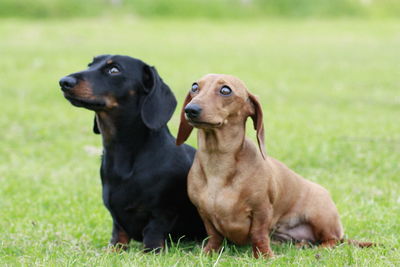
x=93, y=104
x=203, y=124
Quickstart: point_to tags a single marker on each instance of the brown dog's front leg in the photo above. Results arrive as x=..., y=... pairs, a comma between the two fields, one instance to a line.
x=261, y=246
x=215, y=239
x=260, y=237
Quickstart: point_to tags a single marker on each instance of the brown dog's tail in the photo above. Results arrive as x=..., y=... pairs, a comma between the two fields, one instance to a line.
x=359, y=244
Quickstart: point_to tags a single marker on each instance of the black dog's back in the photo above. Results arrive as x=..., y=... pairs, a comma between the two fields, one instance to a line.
x=143, y=172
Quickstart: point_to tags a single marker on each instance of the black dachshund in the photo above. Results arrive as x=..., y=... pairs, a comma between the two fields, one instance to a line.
x=143, y=172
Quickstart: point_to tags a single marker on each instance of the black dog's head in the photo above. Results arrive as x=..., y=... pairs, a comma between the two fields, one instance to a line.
x=115, y=82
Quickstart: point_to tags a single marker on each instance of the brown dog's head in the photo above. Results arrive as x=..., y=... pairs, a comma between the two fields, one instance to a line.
x=215, y=101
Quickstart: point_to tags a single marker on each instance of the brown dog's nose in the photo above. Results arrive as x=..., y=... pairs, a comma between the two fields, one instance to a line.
x=67, y=83
x=193, y=111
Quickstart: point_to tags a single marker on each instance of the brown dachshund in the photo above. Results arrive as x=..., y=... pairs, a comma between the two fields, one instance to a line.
x=240, y=192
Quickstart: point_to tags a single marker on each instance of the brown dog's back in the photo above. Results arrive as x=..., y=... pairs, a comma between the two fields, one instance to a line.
x=240, y=192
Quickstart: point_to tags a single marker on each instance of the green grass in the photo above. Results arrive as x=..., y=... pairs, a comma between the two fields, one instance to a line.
x=331, y=98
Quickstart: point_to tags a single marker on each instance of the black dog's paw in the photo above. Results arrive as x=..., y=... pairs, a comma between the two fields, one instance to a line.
x=154, y=247
x=116, y=248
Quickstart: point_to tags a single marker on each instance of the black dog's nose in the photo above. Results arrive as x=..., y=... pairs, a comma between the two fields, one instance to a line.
x=67, y=83
x=193, y=111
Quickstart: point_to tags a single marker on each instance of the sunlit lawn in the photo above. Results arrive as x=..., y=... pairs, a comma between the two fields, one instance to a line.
x=331, y=97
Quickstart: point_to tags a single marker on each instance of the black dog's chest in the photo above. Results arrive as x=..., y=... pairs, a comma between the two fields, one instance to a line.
x=129, y=209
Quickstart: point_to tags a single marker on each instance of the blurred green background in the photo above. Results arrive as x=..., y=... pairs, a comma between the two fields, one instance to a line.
x=231, y=9
x=327, y=75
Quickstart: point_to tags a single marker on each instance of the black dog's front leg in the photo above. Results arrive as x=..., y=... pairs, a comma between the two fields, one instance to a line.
x=156, y=231
x=119, y=238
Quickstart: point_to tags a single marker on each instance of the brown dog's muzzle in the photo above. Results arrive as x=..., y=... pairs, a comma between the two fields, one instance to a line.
x=195, y=117
x=193, y=111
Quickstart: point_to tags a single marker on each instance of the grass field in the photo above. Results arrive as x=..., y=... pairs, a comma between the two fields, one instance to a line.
x=331, y=97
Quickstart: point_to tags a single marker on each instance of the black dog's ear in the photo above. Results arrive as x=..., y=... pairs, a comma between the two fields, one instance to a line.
x=159, y=103
x=95, y=126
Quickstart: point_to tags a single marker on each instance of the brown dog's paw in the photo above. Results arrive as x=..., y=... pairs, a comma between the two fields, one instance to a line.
x=262, y=250
x=267, y=254
x=209, y=249
x=329, y=243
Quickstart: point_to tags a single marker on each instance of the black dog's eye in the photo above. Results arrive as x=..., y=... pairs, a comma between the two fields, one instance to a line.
x=225, y=90
x=113, y=70
x=195, y=88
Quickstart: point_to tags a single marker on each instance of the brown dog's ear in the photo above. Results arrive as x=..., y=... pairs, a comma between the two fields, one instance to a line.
x=184, y=127
x=257, y=118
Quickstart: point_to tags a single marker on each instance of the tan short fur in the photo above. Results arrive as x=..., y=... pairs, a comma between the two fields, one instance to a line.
x=240, y=192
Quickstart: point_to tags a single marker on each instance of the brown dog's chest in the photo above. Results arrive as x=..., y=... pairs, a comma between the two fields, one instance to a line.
x=225, y=210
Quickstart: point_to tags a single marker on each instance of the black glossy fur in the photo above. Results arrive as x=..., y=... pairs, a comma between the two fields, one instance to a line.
x=143, y=172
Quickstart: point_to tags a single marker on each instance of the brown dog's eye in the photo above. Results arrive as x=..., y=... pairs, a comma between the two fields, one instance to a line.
x=225, y=90
x=195, y=87
x=113, y=70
